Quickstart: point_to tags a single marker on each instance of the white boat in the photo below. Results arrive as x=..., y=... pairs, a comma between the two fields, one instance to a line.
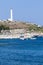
x=32, y=38
x=22, y=38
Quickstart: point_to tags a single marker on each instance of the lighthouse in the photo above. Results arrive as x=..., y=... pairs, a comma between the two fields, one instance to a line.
x=11, y=15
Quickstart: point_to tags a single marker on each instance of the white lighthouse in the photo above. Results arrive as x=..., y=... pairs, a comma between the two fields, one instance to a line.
x=11, y=15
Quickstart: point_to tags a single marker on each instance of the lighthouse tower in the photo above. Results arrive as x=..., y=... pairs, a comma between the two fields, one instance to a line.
x=11, y=15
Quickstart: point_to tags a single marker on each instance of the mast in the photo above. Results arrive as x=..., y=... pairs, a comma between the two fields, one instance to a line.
x=11, y=14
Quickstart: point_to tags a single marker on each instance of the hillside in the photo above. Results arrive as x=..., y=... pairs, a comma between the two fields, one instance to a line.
x=21, y=25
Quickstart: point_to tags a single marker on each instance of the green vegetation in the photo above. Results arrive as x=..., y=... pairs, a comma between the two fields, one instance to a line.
x=7, y=25
x=3, y=27
x=35, y=28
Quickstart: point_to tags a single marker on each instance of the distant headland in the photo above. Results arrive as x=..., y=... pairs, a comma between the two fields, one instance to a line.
x=18, y=29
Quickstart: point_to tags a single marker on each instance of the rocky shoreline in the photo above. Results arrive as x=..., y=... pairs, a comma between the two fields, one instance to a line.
x=20, y=36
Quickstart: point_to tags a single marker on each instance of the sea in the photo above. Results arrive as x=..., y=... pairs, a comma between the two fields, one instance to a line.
x=21, y=52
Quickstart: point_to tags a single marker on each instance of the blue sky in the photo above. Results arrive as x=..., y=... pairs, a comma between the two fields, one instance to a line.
x=23, y=10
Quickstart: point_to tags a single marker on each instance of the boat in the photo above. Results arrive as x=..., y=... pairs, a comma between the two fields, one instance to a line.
x=33, y=38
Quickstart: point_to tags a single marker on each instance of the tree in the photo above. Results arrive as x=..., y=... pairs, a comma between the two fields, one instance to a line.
x=3, y=27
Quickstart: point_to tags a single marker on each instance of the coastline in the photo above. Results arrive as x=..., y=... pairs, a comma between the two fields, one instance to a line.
x=21, y=30
x=23, y=36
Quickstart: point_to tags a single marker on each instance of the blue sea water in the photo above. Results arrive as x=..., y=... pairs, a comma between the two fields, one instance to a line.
x=21, y=52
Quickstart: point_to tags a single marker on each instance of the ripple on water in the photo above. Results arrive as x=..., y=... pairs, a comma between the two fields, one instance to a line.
x=21, y=52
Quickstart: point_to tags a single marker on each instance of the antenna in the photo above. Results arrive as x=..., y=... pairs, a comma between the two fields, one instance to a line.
x=11, y=12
